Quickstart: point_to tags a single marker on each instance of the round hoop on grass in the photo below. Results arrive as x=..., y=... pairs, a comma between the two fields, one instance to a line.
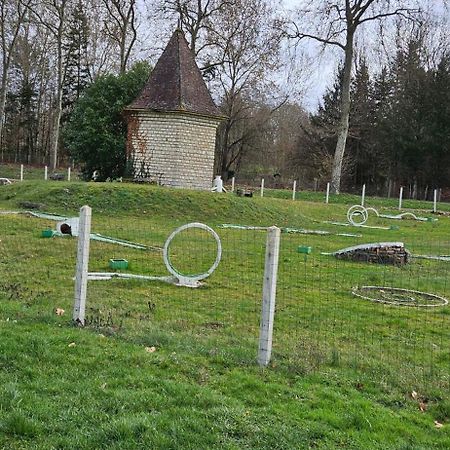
x=191, y=280
x=177, y=277
x=399, y=296
x=357, y=215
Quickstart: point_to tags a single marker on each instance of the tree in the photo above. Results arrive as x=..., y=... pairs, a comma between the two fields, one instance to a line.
x=76, y=41
x=121, y=28
x=52, y=14
x=96, y=132
x=194, y=18
x=247, y=42
x=12, y=16
x=339, y=23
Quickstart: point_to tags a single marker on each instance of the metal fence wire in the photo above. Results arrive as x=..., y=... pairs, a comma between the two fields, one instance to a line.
x=382, y=316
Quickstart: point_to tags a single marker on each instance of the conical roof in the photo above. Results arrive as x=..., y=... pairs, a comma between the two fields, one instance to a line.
x=176, y=83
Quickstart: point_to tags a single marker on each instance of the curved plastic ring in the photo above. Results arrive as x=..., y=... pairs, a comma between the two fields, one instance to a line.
x=201, y=276
x=357, y=211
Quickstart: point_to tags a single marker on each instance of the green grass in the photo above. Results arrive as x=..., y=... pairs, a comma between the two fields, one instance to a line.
x=342, y=372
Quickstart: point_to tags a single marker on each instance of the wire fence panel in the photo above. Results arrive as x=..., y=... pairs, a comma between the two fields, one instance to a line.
x=363, y=312
x=382, y=311
x=36, y=270
x=219, y=318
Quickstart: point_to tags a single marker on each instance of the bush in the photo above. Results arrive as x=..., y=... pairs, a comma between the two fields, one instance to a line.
x=96, y=132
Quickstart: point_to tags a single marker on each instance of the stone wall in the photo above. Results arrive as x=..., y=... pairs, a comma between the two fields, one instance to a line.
x=380, y=253
x=173, y=149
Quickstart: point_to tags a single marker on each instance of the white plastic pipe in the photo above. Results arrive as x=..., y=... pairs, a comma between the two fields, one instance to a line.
x=232, y=184
x=294, y=187
x=46, y=173
x=21, y=172
x=327, y=198
x=400, y=198
x=68, y=174
x=262, y=187
x=435, y=200
x=363, y=194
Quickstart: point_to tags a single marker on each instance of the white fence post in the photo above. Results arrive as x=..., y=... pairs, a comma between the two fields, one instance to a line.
x=46, y=173
x=21, y=172
x=435, y=201
x=68, y=174
x=232, y=184
x=294, y=187
x=262, y=187
x=327, y=198
x=363, y=195
x=81, y=275
x=400, y=198
x=269, y=294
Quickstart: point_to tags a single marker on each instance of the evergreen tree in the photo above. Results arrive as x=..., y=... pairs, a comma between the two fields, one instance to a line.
x=75, y=46
x=437, y=140
x=406, y=122
x=360, y=146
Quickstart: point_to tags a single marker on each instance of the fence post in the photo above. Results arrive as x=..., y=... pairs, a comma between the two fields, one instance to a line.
x=400, y=198
x=294, y=187
x=46, y=173
x=81, y=275
x=435, y=201
x=328, y=194
x=262, y=187
x=21, y=172
x=269, y=294
x=68, y=174
x=363, y=194
x=232, y=184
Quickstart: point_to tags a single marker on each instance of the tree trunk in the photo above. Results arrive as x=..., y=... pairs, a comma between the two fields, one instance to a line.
x=3, y=88
x=345, y=113
x=58, y=111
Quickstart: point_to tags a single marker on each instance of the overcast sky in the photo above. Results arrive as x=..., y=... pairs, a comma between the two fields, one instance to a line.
x=322, y=65
x=316, y=67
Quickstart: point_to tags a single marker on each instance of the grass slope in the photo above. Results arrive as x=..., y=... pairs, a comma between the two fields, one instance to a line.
x=340, y=376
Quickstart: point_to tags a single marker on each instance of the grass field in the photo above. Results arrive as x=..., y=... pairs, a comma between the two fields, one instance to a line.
x=164, y=367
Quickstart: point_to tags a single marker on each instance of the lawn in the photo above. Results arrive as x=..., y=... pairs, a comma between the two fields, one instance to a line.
x=160, y=366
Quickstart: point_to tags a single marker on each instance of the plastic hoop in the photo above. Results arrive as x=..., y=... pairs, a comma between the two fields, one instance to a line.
x=192, y=278
x=357, y=211
x=399, y=296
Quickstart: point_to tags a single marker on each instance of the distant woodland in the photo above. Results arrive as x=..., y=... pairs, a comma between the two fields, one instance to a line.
x=383, y=120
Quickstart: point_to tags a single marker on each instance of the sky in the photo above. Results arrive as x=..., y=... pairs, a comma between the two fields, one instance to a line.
x=316, y=67
x=322, y=64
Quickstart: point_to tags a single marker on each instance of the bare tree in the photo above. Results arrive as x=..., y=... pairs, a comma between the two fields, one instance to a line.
x=12, y=16
x=338, y=24
x=194, y=17
x=52, y=14
x=121, y=27
x=248, y=45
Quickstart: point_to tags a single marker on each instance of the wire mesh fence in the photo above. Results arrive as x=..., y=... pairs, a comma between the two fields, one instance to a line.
x=387, y=332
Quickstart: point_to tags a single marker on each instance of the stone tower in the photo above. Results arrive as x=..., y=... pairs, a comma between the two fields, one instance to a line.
x=172, y=123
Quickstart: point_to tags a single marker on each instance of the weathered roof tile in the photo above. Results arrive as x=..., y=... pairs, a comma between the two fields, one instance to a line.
x=176, y=83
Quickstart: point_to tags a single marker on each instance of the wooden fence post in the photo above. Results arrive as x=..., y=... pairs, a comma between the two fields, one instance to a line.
x=269, y=294
x=81, y=275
